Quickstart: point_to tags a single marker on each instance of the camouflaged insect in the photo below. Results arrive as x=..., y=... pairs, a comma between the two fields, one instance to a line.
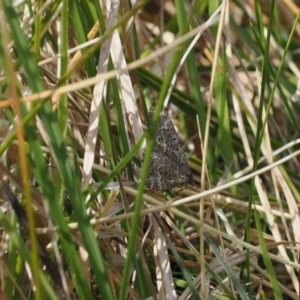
x=169, y=167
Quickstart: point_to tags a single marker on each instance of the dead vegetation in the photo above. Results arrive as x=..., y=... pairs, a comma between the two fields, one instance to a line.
x=77, y=80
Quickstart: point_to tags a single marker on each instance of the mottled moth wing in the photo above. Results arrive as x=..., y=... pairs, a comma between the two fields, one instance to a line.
x=169, y=167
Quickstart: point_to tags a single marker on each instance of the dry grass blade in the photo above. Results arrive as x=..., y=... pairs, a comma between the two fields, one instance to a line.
x=98, y=96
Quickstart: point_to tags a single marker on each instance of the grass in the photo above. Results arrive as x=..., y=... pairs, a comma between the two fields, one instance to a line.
x=77, y=80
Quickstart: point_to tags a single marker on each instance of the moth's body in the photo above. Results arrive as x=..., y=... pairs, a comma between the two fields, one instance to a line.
x=169, y=167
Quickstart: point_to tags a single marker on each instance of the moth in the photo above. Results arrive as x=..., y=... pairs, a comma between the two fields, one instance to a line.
x=169, y=167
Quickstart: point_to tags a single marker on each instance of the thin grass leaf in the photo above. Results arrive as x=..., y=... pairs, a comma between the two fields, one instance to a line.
x=267, y=260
